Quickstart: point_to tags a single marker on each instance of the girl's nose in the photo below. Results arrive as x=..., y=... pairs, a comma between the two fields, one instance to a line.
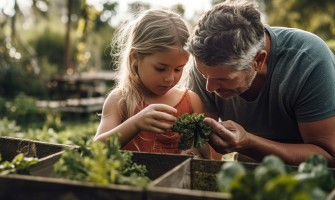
x=169, y=77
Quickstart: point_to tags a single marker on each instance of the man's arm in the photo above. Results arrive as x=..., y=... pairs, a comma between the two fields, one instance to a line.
x=319, y=138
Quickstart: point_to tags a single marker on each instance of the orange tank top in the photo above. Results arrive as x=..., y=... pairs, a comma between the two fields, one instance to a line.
x=161, y=143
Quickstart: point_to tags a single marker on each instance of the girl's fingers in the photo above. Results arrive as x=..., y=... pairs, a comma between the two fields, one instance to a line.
x=165, y=108
x=164, y=116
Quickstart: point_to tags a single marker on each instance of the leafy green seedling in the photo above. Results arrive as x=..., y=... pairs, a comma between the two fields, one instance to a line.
x=193, y=130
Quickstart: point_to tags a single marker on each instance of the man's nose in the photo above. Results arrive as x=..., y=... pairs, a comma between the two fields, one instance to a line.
x=211, y=85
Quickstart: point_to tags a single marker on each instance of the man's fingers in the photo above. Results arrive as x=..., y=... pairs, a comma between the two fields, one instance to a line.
x=217, y=143
x=215, y=140
x=219, y=128
x=228, y=125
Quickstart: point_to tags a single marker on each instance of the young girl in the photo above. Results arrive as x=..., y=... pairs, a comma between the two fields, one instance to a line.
x=145, y=102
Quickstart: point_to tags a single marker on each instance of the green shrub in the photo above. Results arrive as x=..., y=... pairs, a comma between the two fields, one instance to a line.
x=23, y=110
x=331, y=44
x=9, y=127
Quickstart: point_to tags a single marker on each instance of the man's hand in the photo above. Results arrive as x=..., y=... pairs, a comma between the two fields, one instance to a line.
x=227, y=136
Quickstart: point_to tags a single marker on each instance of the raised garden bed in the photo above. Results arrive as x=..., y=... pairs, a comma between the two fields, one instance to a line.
x=44, y=183
x=10, y=147
x=194, y=180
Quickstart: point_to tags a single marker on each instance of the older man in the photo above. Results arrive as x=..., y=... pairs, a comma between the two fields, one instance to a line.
x=273, y=88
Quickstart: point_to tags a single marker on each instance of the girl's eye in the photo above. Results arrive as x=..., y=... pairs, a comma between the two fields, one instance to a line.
x=179, y=69
x=160, y=69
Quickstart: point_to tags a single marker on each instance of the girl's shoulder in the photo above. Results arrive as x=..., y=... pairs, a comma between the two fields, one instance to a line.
x=115, y=93
x=113, y=96
x=192, y=96
x=185, y=92
x=196, y=102
x=178, y=91
x=111, y=104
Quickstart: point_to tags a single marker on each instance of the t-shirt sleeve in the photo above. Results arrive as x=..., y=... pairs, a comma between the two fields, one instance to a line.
x=316, y=100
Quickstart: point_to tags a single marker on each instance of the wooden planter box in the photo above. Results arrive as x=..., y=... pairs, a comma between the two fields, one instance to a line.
x=45, y=152
x=331, y=195
x=44, y=184
x=10, y=147
x=194, y=180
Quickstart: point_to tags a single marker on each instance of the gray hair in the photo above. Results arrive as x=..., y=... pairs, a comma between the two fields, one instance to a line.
x=230, y=33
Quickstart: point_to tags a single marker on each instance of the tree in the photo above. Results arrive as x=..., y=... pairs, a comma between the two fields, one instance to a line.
x=179, y=8
x=16, y=48
x=138, y=6
x=314, y=16
x=35, y=52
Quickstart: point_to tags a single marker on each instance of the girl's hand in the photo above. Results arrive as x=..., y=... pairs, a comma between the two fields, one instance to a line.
x=155, y=118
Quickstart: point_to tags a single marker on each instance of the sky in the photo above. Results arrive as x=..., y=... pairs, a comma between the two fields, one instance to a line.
x=190, y=6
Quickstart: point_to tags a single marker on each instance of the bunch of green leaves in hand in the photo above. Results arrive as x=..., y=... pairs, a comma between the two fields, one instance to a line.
x=193, y=130
x=101, y=163
x=19, y=165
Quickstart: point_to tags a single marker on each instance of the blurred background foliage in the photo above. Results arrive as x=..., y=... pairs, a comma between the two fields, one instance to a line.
x=314, y=16
x=67, y=37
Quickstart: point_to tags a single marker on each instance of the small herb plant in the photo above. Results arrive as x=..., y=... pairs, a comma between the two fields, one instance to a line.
x=101, y=163
x=19, y=165
x=193, y=130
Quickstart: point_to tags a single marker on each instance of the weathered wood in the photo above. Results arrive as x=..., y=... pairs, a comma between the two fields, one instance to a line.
x=10, y=147
x=45, y=184
x=192, y=180
x=78, y=93
x=331, y=196
x=80, y=105
x=20, y=187
x=196, y=180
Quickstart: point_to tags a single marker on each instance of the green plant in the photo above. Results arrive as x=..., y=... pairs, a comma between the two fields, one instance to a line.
x=23, y=110
x=193, y=130
x=19, y=165
x=274, y=180
x=101, y=163
x=8, y=127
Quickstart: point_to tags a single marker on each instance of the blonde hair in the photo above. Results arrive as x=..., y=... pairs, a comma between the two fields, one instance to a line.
x=153, y=31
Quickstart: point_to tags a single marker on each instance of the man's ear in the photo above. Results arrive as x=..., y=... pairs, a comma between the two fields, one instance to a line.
x=260, y=59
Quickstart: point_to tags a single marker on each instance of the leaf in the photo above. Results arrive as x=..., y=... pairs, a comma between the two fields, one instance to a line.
x=101, y=163
x=193, y=130
x=20, y=164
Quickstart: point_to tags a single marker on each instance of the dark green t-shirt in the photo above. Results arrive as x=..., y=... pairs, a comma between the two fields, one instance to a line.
x=300, y=87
